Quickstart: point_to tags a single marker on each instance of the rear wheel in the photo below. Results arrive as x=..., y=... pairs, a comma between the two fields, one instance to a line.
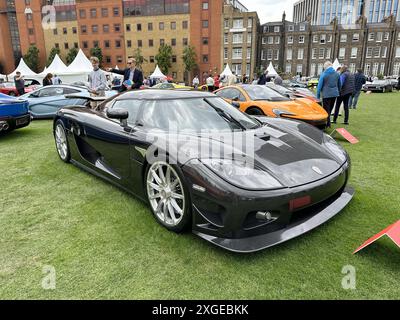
x=12, y=94
x=60, y=137
x=168, y=196
x=254, y=111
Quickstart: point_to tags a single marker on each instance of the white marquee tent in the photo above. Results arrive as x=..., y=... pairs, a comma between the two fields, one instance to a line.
x=227, y=71
x=25, y=71
x=80, y=65
x=57, y=67
x=336, y=64
x=271, y=70
x=157, y=74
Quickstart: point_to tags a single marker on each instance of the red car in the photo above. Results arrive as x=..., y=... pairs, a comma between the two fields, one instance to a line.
x=8, y=88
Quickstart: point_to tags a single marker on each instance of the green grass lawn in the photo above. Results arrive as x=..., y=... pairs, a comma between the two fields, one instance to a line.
x=105, y=244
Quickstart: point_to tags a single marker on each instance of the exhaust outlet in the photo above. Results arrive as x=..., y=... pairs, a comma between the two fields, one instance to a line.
x=4, y=126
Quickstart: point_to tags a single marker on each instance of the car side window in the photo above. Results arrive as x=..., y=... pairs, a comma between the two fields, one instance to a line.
x=51, y=92
x=132, y=106
x=225, y=93
x=70, y=91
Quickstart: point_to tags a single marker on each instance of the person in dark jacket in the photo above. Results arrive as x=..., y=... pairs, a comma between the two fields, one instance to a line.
x=263, y=79
x=328, y=88
x=133, y=77
x=19, y=83
x=48, y=80
x=359, y=81
x=347, y=83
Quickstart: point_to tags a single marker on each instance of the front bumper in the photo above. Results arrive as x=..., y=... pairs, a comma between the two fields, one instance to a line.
x=260, y=242
x=228, y=216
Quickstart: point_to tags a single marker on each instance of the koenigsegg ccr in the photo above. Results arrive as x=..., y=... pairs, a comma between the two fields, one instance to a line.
x=172, y=150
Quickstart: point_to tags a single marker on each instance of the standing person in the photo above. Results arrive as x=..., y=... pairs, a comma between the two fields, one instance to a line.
x=133, y=77
x=328, y=87
x=359, y=81
x=19, y=83
x=398, y=83
x=97, y=78
x=56, y=80
x=210, y=83
x=346, y=91
x=47, y=81
x=232, y=79
x=216, y=82
x=263, y=79
x=278, y=80
x=196, y=82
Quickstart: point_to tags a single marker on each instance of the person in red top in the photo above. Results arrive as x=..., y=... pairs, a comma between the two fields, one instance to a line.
x=216, y=82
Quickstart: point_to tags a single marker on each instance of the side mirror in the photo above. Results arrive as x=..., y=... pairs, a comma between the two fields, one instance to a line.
x=34, y=95
x=119, y=114
x=236, y=104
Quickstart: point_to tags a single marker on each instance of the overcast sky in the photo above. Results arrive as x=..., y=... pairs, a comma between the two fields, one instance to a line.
x=270, y=10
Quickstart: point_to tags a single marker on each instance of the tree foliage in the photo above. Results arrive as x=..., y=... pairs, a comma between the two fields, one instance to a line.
x=32, y=58
x=72, y=53
x=54, y=51
x=97, y=52
x=140, y=59
x=164, y=58
x=189, y=59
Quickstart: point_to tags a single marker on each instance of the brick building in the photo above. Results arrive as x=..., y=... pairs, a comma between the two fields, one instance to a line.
x=302, y=48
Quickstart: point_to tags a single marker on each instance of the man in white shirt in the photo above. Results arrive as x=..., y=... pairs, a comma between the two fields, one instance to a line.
x=97, y=78
x=210, y=83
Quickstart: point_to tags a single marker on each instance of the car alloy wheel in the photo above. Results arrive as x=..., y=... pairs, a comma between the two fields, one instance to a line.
x=167, y=196
x=61, y=142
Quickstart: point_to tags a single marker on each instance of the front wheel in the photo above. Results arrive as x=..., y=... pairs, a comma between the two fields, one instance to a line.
x=168, y=196
x=60, y=137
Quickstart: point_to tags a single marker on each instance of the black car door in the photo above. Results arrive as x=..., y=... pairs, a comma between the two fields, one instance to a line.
x=107, y=143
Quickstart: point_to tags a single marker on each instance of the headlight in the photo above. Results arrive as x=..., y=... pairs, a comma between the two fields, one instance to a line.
x=280, y=113
x=335, y=148
x=241, y=174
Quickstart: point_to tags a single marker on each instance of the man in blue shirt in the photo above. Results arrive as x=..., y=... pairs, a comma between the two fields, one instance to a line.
x=328, y=88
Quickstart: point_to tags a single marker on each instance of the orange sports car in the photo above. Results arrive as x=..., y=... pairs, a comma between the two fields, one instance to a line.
x=261, y=100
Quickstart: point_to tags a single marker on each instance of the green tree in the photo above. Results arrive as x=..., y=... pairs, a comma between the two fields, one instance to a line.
x=53, y=53
x=164, y=58
x=96, y=52
x=189, y=59
x=72, y=53
x=32, y=58
x=140, y=59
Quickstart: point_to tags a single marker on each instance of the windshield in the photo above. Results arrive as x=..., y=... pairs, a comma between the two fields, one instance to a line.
x=196, y=115
x=379, y=82
x=264, y=93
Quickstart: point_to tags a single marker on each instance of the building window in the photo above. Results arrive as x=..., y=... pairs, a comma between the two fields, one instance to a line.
x=83, y=29
x=108, y=59
x=104, y=12
x=55, y=31
x=377, y=52
x=237, y=53
x=173, y=25
x=173, y=42
x=299, y=69
x=289, y=54
x=237, y=38
x=269, y=54
x=119, y=59
x=76, y=45
x=225, y=53
x=117, y=27
x=128, y=28
x=396, y=68
x=226, y=23
x=356, y=37
x=226, y=38
x=85, y=44
x=343, y=38
x=384, y=52
x=95, y=44
x=95, y=28
x=301, y=39
x=140, y=43
x=328, y=53
x=139, y=27
x=151, y=59
x=249, y=38
x=300, y=54
x=270, y=40
x=276, y=54
x=74, y=31
x=321, y=53
x=315, y=38
x=352, y=67
x=322, y=39
x=248, y=53
x=118, y=43
x=151, y=43
x=107, y=44
x=250, y=22
x=205, y=23
x=93, y=13
x=263, y=55
x=185, y=41
x=66, y=46
x=82, y=13
x=57, y=45
x=288, y=68
x=354, y=53
x=205, y=5
x=116, y=12
x=290, y=40
x=291, y=28
x=205, y=58
x=369, y=53
x=65, y=31
x=161, y=26
x=371, y=36
x=185, y=24
x=386, y=36
x=342, y=53
x=173, y=59
x=379, y=36
x=129, y=43
x=162, y=42
x=150, y=26
x=277, y=40
x=302, y=28
x=205, y=41
x=314, y=53
x=237, y=23
x=277, y=29
x=106, y=28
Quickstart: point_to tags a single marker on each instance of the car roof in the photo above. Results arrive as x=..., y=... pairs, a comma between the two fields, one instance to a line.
x=155, y=94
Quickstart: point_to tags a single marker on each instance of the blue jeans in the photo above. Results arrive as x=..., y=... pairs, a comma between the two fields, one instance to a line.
x=354, y=99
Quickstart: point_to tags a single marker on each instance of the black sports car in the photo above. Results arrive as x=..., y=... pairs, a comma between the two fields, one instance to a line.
x=279, y=179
